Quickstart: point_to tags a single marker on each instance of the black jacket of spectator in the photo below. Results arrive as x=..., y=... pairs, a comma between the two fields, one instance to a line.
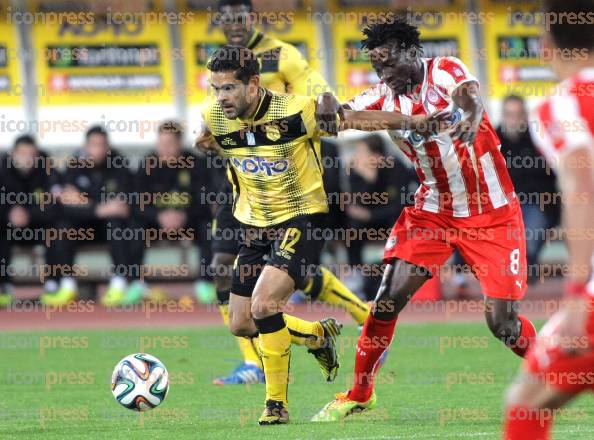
x=184, y=186
x=100, y=183
x=30, y=189
x=387, y=188
x=528, y=171
x=527, y=167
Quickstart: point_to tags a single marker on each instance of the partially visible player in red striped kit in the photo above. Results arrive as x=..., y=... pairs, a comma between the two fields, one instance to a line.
x=561, y=363
x=466, y=200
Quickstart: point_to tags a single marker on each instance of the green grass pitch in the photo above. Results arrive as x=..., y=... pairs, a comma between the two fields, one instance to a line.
x=440, y=381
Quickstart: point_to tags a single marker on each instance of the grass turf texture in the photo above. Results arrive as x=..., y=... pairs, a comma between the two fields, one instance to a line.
x=440, y=381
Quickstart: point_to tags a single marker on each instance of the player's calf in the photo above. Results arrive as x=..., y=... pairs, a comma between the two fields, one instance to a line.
x=516, y=331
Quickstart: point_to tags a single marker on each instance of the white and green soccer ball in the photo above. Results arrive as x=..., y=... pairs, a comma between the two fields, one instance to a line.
x=140, y=382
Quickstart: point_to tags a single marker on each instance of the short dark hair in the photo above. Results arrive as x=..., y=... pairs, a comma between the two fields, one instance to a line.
x=248, y=3
x=96, y=129
x=376, y=144
x=24, y=139
x=516, y=98
x=171, y=126
x=235, y=58
x=568, y=35
x=397, y=28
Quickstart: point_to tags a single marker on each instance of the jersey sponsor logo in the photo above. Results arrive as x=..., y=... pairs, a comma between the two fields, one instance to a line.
x=260, y=165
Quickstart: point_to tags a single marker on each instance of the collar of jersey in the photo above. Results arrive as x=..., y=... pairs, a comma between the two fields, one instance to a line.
x=261, y=109
x=256, y=38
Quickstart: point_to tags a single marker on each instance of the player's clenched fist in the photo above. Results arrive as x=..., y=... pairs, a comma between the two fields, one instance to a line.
x=327, y=107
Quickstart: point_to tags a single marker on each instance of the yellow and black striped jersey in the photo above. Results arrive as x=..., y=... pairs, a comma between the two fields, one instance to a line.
x=273, y=158
x=283, y=69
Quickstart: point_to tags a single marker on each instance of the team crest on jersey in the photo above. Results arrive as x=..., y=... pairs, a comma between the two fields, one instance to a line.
x=228, y=142
x=391, y=243
x=272, y=132
x=432, y=96
x=184, y=178
x=111, y=185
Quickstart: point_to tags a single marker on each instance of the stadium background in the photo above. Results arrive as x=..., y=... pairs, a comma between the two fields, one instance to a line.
x=49, y=93
x=146, y=61
x=163, y=71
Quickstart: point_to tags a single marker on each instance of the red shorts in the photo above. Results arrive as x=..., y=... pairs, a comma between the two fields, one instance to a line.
x=550, y=362
x=492, y=244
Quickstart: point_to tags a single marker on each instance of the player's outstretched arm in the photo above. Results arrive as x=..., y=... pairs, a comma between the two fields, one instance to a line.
x=328, y=108
x=373, y=120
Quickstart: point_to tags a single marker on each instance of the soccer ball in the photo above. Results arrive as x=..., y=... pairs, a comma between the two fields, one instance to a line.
x=140, y=382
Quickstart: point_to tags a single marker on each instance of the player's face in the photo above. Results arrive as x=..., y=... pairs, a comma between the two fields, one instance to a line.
x=168, y=146
x=97, y=147
x=24, y=156
x=237, y=25
x=399, y=69
x=235, y=97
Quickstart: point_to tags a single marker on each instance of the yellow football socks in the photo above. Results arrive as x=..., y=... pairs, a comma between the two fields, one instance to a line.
x=275, y=348
x=308, y=333
x=329, y=289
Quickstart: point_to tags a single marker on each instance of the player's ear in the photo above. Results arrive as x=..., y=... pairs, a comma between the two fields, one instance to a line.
x=254, y=84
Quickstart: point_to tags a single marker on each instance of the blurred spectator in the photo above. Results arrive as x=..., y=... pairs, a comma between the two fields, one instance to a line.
x=530, y=176
x=332, y=164
x=96, y=199
x=177, y=182
x=375, y=183
x=26, y=210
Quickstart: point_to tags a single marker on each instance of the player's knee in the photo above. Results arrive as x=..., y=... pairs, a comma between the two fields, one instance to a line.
x=261, y=308
x=241, y=327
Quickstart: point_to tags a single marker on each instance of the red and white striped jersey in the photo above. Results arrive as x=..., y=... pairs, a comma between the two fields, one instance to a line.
x=565, y=120
x=456, y=179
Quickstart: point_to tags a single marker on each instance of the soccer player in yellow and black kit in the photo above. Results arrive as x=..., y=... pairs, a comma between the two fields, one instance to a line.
x=283, y=69
x=273, y=148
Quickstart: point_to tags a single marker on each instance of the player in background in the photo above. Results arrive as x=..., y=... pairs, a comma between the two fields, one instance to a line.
x=272, y=142
x=283, y=69
x=560, y=365
x=466, y=200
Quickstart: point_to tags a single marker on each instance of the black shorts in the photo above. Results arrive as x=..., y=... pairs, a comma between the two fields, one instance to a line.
x=290, y=246
x=226, y=231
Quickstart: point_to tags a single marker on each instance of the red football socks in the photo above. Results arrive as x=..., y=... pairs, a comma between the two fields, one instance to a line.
x=522, y=423
x=374, y=340
x=527, y=337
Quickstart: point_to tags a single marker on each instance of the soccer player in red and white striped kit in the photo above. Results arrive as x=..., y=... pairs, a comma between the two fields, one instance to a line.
x=466, y=199
x=560, y=365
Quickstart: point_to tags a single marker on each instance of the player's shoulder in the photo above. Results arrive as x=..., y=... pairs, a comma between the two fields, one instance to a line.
x=293, y=103
x=271, y=42
x=447, y=64
x=210, y=108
